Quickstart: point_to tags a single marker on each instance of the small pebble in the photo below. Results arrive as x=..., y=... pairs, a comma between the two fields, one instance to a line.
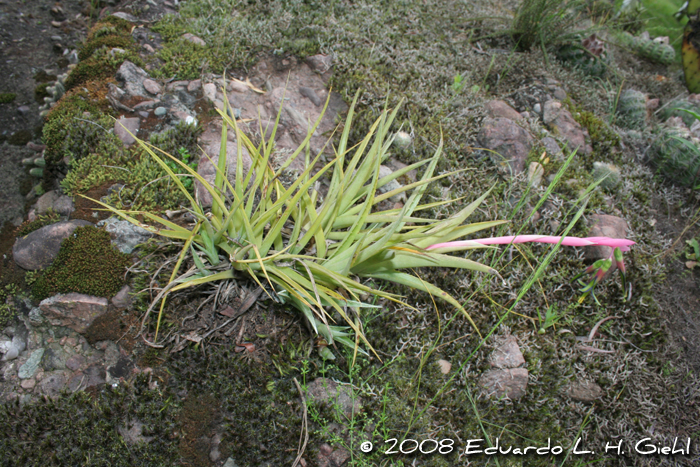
x=160, y=111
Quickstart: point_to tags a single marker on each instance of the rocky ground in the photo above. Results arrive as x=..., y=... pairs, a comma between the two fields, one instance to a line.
x=234, y=379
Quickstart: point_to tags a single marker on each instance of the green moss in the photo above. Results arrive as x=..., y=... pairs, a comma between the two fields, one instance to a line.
x=80, y=429
x=86, y=263
x=186, y=60
x=7, y=97
x=75, y=128
x=8, y=311
x=40, y=92
x=108, y=41
x=102, y=63
x=28, y=227
x=603, y=139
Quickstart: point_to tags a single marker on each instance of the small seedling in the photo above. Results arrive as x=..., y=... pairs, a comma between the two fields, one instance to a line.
x=551, y=317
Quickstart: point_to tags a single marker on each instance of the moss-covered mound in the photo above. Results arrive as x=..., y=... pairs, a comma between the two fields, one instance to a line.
x=86, y=263
x=122, y=426
x=109, y=43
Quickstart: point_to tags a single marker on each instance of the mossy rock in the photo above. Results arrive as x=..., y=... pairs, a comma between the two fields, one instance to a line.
x=75, y=135
x=109, y=41
x=86, y=263
x=102, y=63
x=7, y=97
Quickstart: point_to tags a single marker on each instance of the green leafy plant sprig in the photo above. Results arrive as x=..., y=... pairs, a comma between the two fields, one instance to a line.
x=312, y=250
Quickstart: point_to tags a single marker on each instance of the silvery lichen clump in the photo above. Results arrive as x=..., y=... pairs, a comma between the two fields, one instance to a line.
x=607, y=174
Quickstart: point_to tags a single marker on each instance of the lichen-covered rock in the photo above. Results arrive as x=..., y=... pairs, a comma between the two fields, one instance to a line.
x=38, y=249
x=560, y=121
x=132, y=77
x=73, y=310
x=125, y=235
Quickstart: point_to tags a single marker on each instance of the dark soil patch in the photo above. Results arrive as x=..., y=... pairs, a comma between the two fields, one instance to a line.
x=88, y=210
x=198, y=420
x=116, y=326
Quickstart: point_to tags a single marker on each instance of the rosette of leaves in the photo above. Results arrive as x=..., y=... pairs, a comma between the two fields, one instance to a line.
x=309, y=250
x=588, y=55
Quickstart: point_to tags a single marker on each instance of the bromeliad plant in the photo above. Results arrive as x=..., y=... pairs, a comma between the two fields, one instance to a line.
x=304, y=248
x=311, y=250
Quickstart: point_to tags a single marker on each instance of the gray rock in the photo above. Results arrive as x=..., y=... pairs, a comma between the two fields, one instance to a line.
x=132, y=76
x=38, y=249
x=93, y=375
x=145, y=105
x=603, y=225
x=124, y=128
x=194, y=39
x=560, y=121
x=327, y=391
x=54, y=358
x=122, y=299
x=160, y=111
x=230, y=463
x=507, y=354
x=385, y=171
x=125, y=235
x=31, y=365
x=75, y=362
x=584, y=391
x=505, y=137
x=152, y=87
x=552, y=147
x=13, y=348
x=177, y=85
x=64, y=205
x=510, y=383
x=125, y=16
x=320, y=63
x=311, y=95
x=36, y=318
x=73, y=310
x=195, y=85
x=209, y=91
x=499, y=108
x=46, y=202
x=53, y=383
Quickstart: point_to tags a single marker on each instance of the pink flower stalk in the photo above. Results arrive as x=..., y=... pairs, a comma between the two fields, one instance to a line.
x=597, y=270
x=621, y=243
